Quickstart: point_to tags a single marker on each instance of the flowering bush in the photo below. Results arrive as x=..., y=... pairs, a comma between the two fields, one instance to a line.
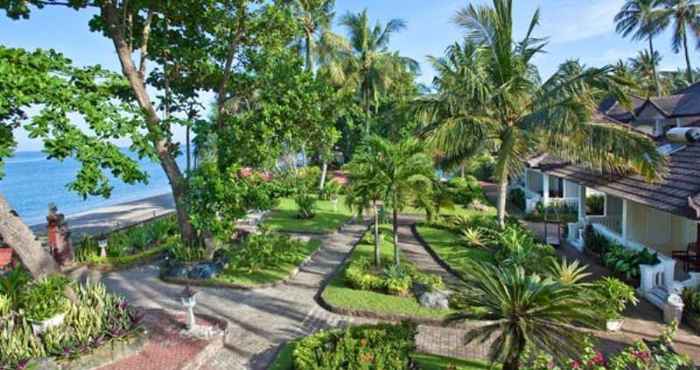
x=657, y=355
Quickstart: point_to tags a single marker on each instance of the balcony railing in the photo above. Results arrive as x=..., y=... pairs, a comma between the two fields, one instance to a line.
x=612, y=223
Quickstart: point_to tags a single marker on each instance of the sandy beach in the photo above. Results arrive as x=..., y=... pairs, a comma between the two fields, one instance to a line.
x=100, y=220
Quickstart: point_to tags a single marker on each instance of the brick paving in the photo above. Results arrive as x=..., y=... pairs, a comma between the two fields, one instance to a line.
x=165, y=348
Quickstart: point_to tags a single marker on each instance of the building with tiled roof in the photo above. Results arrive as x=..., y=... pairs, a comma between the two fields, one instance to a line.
x=662, y=216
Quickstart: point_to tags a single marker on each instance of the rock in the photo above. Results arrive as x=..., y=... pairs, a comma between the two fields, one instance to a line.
x=203, y=271
x=476, y=204
x=420, y=289
x=435, y=299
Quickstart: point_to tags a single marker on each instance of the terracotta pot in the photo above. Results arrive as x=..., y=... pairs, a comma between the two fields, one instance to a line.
x=5, y=256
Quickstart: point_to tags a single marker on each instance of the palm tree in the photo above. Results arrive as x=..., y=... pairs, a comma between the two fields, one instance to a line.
x=366, y=190
x=369, y=65
x=524, y=310
x=403, y=169
x=644, y=67
x=500, y=101
x=642, y=20
x=315, y=17
x=685, y=16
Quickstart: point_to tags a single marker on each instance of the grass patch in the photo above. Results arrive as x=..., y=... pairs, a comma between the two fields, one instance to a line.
x=448, y=245
x=123, y=262
x=434, y=362
x=338, y=293
x=270, y=274
x=328, y=217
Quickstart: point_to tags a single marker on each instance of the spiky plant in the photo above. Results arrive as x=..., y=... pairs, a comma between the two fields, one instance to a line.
x=523, y=311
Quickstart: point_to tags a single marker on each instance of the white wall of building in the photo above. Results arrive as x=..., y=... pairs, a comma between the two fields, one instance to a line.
x=659, y=230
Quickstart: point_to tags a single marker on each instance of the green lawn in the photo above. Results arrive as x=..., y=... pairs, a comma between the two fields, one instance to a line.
x=284, y=361
x=271, y=274
x=448, y=246
x=328, y=217
x=337, y=293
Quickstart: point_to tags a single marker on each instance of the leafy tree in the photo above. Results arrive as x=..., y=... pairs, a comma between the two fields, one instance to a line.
x=685, y=16
x=191, y=46
x=43, y=92
x=641, y=20
x=369, y=67
x=524, y=311
x=404, y=170
x=501, y=102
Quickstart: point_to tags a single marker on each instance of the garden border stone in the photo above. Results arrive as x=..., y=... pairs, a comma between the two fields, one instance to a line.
x=362, y=313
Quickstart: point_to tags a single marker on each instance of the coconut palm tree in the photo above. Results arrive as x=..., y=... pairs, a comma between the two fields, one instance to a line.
x=315, y=17
x=369, y=65
x=403, y=169
x=500, y=101
x=642, y=20
x=644, y=67
x=685, y=16
x=524, y=310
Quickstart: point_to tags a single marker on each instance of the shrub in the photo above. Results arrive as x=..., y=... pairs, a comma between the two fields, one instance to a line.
x=394, y=280
x=691, y=300
x=612, y=297
x=305, y=205
x=382, y=346
x=5, y=306
x=465, y=190
x=45, y=298
x=625, y=262
x=518, y=199
x=181, y=252
x=93, y=319
x=595, y=205
x=128, y=242
x=331, y=190
x=265, y=250
x=595, y=242
x=12, y=283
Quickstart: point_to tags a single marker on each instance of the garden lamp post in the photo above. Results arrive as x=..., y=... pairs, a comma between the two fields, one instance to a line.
x=103, y=248
x=188, y=300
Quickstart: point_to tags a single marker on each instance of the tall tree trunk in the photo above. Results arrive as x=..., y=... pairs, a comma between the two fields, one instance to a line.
x=462, y=171
x=377, y=240
x=153, y=122
x=17, y=235
x=397, y=258
x=324, y=172
x=687, y=59
x=309, y=62
x=653, y=66
x=188, y=149
x=502, y=199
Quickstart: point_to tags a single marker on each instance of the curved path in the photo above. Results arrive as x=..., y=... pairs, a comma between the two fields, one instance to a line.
x=262, y=319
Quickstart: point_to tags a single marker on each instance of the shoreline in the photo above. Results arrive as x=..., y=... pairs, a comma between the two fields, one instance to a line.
x=102, y=219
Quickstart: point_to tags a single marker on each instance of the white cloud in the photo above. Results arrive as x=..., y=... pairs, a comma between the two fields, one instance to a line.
x=574, y=20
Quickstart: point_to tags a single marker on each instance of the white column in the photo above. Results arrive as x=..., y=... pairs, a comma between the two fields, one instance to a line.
x=526, y=180
x=625, y=215
x=545, y=189
x=582, y=204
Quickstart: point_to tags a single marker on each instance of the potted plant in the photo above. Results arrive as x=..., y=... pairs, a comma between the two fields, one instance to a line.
x=45, y=304
x=612, y=297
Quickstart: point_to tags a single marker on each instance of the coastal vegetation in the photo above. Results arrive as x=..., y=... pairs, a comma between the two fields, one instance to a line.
x=299, y=131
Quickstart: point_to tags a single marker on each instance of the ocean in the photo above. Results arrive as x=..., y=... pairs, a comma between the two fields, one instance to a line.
x=31, y=182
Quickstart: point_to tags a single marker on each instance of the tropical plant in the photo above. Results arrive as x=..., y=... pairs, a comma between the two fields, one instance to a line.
x=496, y=98
x=644, y=66
x=383, y=346
x=45, y=298
x=523, y=310
x=403, y=170
x=368, y=65
x=305, y=205
x=685, y=16
x=567, y=273
x=13, y=283
x=641, y=20
x=612, y=297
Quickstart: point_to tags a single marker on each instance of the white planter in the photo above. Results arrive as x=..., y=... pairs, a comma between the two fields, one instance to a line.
x=42, y=326
x=614, y=325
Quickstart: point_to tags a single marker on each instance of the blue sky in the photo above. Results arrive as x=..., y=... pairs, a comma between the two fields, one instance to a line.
x=578, y=29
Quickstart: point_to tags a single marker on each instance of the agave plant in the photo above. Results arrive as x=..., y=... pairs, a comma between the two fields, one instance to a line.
x=567, y=273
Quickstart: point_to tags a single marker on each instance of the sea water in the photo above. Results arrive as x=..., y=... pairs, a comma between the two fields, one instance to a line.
x=31, y=182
